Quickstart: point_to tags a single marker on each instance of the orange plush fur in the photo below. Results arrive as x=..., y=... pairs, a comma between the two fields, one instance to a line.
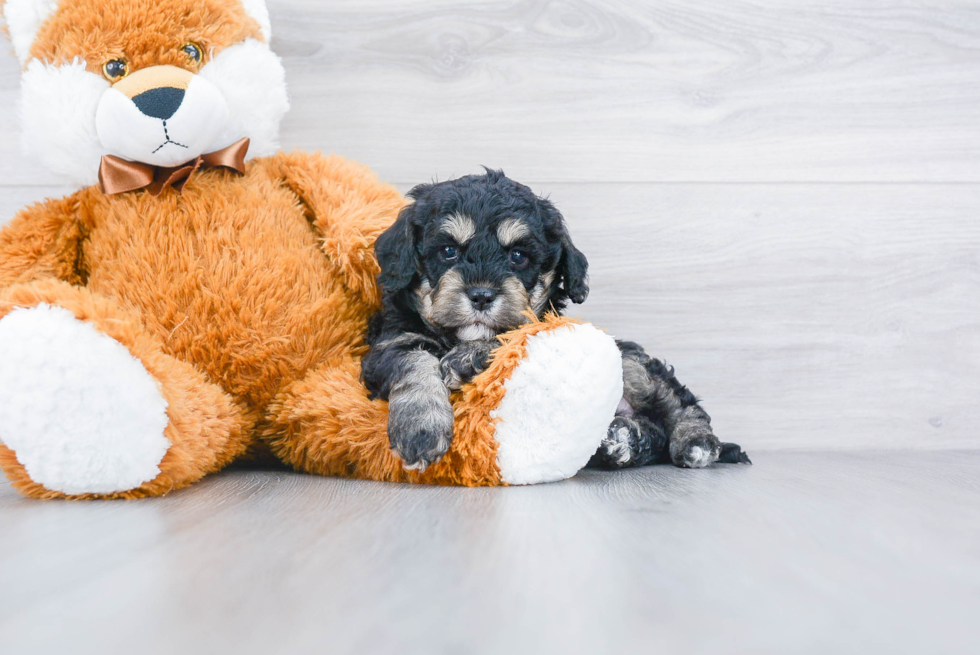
x=142, y=31
x=225, y=292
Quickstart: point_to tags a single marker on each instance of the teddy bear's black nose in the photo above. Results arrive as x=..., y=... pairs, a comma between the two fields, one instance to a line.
x=159, y=103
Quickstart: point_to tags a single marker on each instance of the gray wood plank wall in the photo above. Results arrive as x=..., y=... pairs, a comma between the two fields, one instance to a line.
x=782, y=199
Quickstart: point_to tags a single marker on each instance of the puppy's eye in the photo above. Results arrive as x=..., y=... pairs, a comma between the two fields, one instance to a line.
x=518, y=258
x=449, y=253
x=115, y=70
x=194, y=52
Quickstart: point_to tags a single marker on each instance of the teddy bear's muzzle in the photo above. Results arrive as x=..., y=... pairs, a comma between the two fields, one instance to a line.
x=158, y=91
x=161, y=115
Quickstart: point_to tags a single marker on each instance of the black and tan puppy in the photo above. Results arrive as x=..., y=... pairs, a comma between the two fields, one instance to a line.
x=465, y=262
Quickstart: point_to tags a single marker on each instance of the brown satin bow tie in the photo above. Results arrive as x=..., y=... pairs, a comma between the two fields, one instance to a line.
x=116, y=175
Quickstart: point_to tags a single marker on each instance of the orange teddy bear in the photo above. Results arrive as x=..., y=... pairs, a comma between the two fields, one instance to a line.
x=204, y=297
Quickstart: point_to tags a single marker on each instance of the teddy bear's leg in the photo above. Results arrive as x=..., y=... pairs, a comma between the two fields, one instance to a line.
x=537, y=414
x=90, y=405
x=326, y=424
x=559, y=394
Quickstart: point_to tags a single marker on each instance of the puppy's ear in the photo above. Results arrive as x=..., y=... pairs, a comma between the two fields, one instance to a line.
x=574, y=270
x=397, y=247
x=572, y=279
x=396, y=251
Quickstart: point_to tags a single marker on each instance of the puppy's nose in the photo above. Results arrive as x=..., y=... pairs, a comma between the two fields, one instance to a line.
x=160, y=103
x=481, y=296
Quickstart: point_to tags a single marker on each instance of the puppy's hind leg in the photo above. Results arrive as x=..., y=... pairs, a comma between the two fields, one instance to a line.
x=653, y=392
x=694, y=445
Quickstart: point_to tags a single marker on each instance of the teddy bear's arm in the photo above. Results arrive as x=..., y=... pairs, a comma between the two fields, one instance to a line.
x=42, y=242
x=347, y=204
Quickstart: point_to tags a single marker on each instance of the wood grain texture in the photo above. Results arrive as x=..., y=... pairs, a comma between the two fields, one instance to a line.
x=802, y=553
x=804, y=315
x=581, y=90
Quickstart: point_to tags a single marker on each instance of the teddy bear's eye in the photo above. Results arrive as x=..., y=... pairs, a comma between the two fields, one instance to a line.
x=193, y=52
x=115, y=69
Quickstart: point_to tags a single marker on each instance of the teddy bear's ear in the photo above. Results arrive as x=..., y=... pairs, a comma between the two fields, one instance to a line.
x=257, y=10
x=24, y=18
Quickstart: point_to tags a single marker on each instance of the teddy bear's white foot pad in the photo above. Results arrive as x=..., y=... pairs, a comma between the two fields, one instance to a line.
x=559, y=403
x=79, y=411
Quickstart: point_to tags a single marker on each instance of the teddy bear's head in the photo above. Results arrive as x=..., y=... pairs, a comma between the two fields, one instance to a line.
x=153, y=81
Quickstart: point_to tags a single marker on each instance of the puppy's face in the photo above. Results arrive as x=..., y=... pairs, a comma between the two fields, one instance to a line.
x=473, y=255
x=480, y=273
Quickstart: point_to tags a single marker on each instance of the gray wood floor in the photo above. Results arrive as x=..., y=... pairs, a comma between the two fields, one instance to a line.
x=859, y=552
x=782, y=199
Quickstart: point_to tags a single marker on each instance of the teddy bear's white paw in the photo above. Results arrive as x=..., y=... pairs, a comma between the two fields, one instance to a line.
x=558, y=406
x=79, y=411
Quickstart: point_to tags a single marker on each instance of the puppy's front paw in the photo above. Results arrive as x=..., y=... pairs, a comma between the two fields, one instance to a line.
x=696, y=451
x=420, y=428
x=465, y=361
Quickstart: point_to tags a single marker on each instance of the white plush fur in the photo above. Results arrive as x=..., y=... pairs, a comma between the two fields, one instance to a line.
x=559, y=403
x=57, y=114
x=79, y=411
x=59, y=105
x=24, y=18
x=257, y=10
x=253, y=82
